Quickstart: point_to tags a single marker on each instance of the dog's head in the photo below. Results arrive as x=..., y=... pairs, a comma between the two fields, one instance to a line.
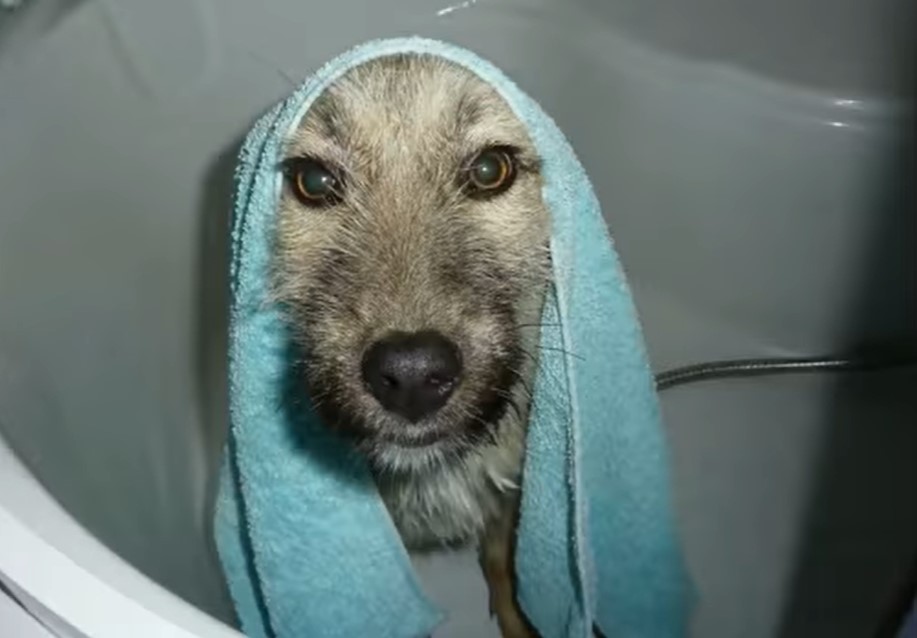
x=412, y=252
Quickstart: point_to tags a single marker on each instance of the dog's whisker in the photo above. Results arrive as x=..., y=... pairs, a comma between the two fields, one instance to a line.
x=521, y=381
x=538, y=325
x=510, y=401
x=562, y=351
x=548, y=398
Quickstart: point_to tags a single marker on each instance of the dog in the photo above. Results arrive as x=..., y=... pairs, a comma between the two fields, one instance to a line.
x=412, y=258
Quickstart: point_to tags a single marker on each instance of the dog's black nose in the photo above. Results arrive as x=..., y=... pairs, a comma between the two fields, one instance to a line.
x=412, y=374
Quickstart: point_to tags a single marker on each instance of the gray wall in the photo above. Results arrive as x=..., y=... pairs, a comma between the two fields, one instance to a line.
x=752, y=221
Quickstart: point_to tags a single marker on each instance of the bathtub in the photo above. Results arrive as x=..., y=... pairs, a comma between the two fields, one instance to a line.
x=752, y=161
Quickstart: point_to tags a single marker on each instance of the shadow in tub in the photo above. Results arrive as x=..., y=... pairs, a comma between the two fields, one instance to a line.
x=854, y=572
x=212, y=326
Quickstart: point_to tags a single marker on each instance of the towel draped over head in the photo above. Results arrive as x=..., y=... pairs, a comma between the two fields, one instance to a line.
x=307, y=546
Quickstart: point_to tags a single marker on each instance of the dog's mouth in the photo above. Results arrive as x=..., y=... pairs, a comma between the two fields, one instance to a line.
x=429, y=437
x=457, y=424
x=467, y=419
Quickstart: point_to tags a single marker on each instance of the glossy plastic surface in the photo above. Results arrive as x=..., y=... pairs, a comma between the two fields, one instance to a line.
x=745, y=157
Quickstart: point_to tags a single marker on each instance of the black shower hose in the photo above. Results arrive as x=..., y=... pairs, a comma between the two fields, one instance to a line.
x=868, y=362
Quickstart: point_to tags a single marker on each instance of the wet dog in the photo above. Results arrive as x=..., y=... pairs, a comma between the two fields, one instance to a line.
x=412, y=256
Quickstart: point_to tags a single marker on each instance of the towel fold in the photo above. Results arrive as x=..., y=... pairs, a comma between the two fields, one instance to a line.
x=307, y=546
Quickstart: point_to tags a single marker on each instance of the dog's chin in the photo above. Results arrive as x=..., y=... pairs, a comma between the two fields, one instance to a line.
x=417, y=447
x=391, y=444
x=393, y=457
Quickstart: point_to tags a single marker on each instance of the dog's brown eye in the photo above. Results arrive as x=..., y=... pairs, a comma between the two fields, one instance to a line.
x=491, y=172
x=313, y=183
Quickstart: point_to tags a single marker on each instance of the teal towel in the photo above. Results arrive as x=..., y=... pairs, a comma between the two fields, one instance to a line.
x=306, y=544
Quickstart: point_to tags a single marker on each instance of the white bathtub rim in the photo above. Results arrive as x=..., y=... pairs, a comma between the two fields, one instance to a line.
x=50, y=558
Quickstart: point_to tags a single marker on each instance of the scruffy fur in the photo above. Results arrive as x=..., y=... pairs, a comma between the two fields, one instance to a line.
x=405, y=250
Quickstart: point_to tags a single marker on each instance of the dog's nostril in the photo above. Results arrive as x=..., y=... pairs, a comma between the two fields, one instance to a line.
x=412, y=374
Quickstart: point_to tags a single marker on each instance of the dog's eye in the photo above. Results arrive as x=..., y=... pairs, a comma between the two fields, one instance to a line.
x=491, y=172
x=313, y=183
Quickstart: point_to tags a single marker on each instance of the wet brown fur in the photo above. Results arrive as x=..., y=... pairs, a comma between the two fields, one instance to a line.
x=406, y=249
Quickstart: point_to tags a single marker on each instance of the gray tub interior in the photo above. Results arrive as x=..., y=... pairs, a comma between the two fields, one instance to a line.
x=760, y=194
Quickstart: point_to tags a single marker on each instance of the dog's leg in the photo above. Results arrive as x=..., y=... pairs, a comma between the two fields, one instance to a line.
x=497, y=552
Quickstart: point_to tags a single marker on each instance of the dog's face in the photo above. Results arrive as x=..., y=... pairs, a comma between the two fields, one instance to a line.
x=412, y=253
